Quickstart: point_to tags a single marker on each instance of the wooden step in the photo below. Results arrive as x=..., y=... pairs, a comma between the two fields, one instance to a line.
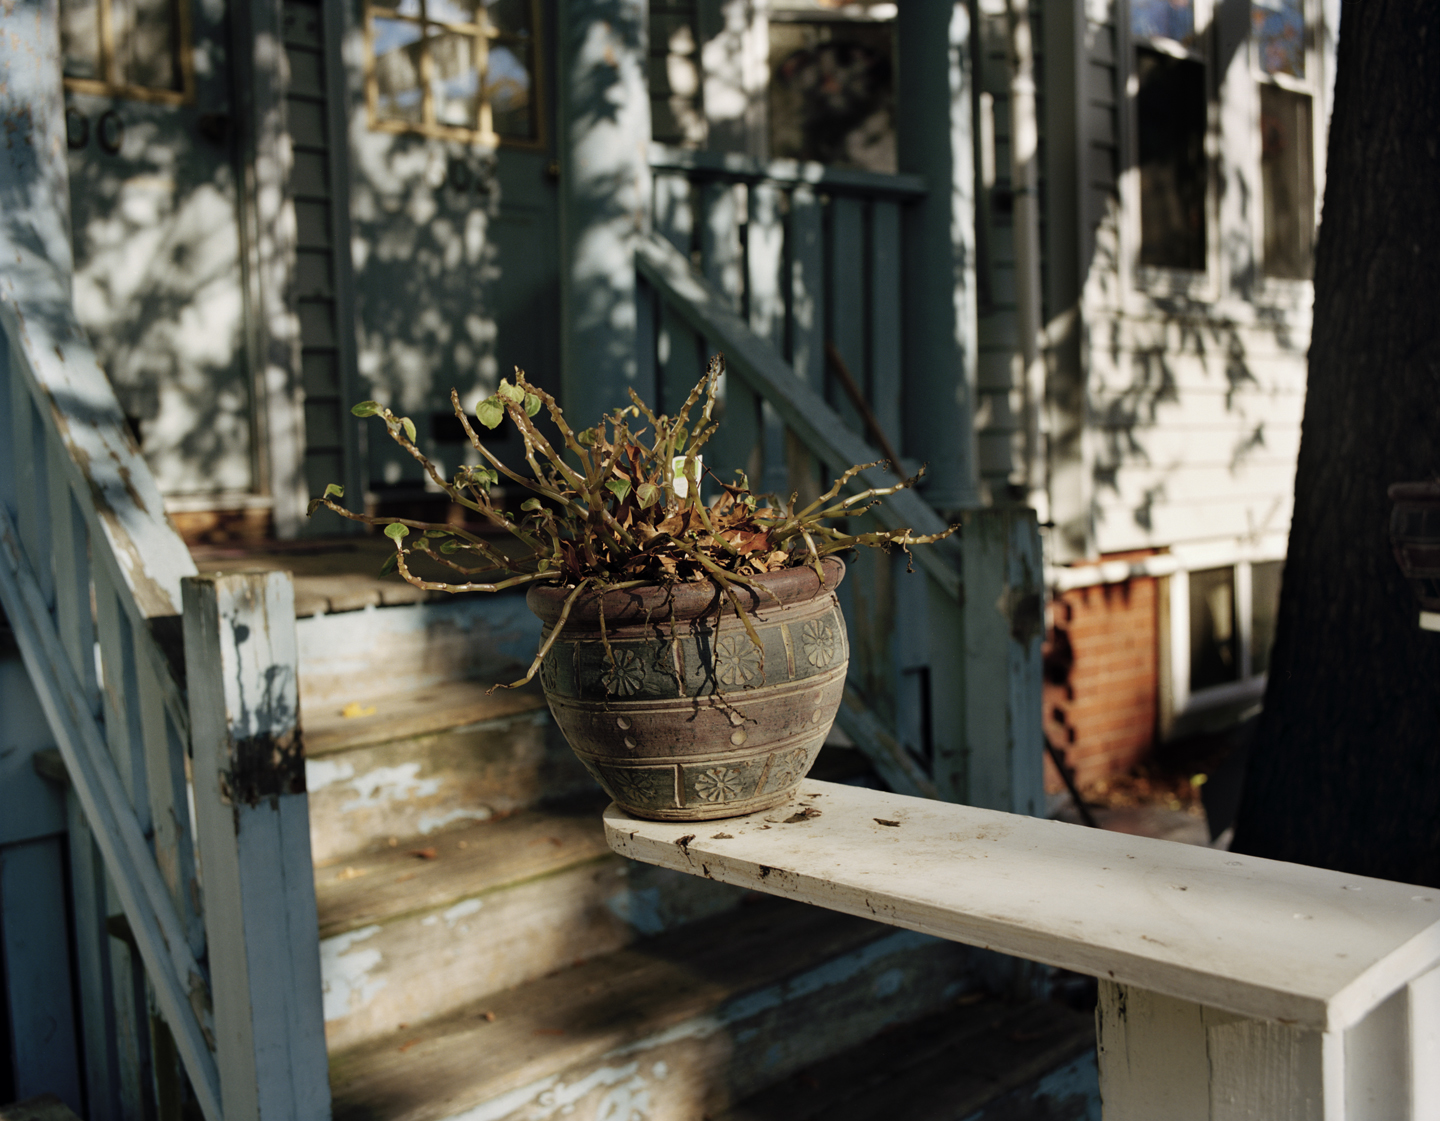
x=411, y=764
x=675, y=1027
x=983, y=1059
x=414, y=931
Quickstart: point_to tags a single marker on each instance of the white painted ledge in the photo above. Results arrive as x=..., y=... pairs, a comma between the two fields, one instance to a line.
x=1304, y=947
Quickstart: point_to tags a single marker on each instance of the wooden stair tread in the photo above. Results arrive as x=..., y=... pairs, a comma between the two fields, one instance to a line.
x=416, y=712
x=429, y=872
x=445, y=1067
x=943, y=1067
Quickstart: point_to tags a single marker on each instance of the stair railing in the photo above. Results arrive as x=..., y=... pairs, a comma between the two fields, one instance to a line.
x=189, y=838
x=794, y=272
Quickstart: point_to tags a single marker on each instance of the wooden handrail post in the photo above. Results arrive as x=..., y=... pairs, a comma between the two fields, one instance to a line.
x=254, y=832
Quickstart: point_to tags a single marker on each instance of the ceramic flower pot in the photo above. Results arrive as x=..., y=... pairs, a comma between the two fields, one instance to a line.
x=682, y=718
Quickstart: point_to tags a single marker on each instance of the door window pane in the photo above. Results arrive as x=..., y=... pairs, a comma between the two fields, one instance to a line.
x=1287, y=177
x=1163, y=19
x=1264, y=609
x=455, y=78
x=1171, y=117
x=1280, y=35
x=397, y=69
x=147, y=43
x=80, y=38
x=508, y=83
x=1213, y=653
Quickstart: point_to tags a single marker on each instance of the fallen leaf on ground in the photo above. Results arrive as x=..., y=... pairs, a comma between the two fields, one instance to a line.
x=350, y=873
x=425, y=854
x=549, y=1031
x=355, y=708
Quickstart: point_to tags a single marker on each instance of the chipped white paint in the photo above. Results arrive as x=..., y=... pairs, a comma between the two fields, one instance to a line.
x=626, y=1100
x=431, y=822
x=320, y=773
x=390, y=784
x=346, y=972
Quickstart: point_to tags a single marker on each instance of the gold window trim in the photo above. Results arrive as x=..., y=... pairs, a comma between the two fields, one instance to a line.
x=428, y=126
x=112, y=87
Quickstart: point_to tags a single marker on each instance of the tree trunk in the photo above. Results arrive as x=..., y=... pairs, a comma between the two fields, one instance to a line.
x=1345, y=768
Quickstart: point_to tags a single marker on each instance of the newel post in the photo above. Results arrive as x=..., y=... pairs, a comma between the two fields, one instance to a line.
x=254, y=834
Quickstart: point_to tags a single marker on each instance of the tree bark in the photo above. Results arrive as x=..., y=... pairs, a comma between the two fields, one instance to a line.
x=1345, y=768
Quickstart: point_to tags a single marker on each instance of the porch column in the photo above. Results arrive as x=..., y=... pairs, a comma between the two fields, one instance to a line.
x=604, y=123
x=935, y=140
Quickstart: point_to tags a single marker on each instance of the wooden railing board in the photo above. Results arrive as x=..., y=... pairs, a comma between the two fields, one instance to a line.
x=1286, y=943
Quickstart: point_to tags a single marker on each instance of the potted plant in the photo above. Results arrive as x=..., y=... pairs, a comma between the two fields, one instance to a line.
x=693, y=652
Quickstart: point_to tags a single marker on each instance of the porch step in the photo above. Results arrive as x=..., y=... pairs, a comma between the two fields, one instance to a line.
x=981, y=1060
x=405, y=766
x=416, y=931
x=676, y=1027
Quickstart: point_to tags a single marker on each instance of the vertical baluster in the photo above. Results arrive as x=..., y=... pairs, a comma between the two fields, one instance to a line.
x=8, y=360
x=71, y=565
x=765, y=261
x=885, y=347
x=678, y=354
x=845, y=270
x=647, y=341
x=722, y=248
x=31, y=490
x=675, y=211
x=807, y=326
x=124, y=734
x=93, y=962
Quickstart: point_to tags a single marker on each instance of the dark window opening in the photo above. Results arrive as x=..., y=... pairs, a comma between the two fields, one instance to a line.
x=832, y=92
x=1171, y=122
x=1287, y=175
x=1214, y=653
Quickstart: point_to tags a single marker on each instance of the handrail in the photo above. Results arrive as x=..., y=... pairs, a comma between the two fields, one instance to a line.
x=803, y=411
x=1250, y=987
x=839, y=180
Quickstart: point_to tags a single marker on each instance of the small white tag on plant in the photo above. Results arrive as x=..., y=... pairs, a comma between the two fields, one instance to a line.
x=683, y=477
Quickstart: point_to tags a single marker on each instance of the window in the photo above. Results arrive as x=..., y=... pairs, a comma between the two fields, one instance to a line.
x=1171, y=113
x=138, y=49
x=455, y=69
x=1221, y=623
x=1287, y=162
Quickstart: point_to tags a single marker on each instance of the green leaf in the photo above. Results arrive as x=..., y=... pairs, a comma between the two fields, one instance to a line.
x=530, y=504
x=450, y=546
x=396, y=532
x=647, y=494
x=490, y=411
x=336, y=490
x=681, y=434
x=409, y=426
x=315, y=504
x=511, y=392
x=437, y=533
x=586, y=438
x=532, y=404
x=366, y=408
x=619, y=488
x=392, y=562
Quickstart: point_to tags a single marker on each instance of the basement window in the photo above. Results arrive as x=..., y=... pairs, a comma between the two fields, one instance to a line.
x=455, y=69
x=135, y=49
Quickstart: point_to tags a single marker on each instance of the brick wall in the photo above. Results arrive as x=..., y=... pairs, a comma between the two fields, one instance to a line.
x=1102, y=686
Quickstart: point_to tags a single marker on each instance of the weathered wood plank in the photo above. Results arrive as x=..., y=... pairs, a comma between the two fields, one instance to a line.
x=120, y=697
x=801, y=408
x=766, y=284
x=807, y=287
x=1140, y=911
x=1152, y=1055
x=254, y=839
x=92, y=965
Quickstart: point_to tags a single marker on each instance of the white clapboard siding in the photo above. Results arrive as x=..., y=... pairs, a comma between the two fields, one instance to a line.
x=1183, y=483
x=1119, y=528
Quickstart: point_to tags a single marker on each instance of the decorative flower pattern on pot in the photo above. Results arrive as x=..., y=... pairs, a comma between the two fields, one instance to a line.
x=788, y=768
x=817, y=640
x=719, y=784
x=737, y=659
x=549, y=674
x=624, y=672
x=628, y=786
